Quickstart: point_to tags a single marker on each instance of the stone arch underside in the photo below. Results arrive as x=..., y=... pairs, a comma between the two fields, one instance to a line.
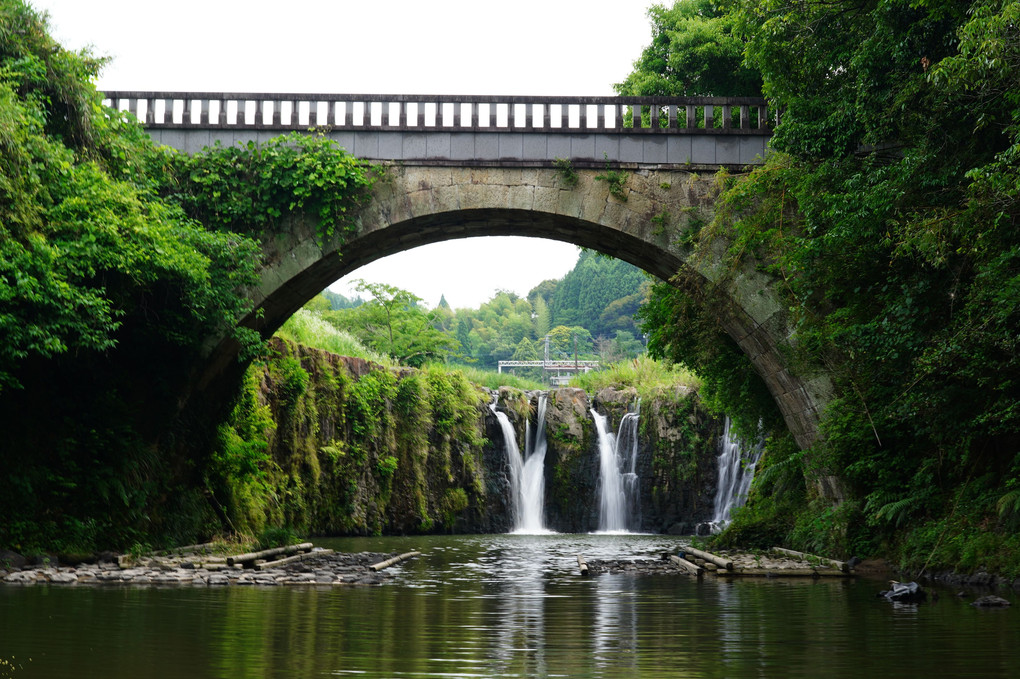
x=414, y=206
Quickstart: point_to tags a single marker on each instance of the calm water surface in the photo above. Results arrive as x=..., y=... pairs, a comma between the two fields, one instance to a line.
x=505, y=606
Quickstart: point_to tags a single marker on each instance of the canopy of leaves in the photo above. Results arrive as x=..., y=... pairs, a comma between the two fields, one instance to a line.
x=888, y=211
x=695, y=51
x=394, y=323
x=86, y=248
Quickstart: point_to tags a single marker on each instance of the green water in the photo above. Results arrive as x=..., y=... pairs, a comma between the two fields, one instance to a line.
x=504, y=606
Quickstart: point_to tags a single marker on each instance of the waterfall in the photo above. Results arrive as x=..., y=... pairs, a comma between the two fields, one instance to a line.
x=619, y=498
x=736, y=470
x=514, y=462
x=527, y=473
x=533, y=478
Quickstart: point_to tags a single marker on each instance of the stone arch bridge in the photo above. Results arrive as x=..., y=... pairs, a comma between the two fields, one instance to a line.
x=459, y=167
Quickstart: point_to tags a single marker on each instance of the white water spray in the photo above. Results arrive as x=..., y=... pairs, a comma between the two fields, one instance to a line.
x=527, y=473
x=514, y=462
x=619, y=493
x=736, y=471
x=533, y=477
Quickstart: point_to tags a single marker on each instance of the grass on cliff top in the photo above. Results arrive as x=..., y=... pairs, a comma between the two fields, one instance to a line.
x=307, y=328
x=494, y=380
x=645, y=374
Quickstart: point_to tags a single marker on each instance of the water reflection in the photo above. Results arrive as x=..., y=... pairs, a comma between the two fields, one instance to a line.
x=514, y=605
x=519, y=618
x=615, y=628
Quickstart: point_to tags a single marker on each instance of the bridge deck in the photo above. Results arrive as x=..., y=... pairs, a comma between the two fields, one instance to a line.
x=471, y=130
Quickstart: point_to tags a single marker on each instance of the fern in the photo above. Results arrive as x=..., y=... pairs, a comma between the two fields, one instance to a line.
x=1009, y=503
x=896, y=512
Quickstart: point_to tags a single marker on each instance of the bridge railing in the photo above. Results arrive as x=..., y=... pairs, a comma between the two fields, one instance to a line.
x=447, y=113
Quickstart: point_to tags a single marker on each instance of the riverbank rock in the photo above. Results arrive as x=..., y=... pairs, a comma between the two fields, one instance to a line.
x=325, y=568
x=11, y=561
x=991, y=601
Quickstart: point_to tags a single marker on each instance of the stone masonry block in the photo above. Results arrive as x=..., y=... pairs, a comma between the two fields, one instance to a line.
x=703, y=150
x=558, y=146
x=414, y=145
x=462, y=145
x=632, y=150
x=391, y=146
x=727, y=150
x=344, y=140
x=487, y=146
x=546, y=199
x=535, y=147
x=678, y=149
x=655, y=150
x=511, y=146
x=522, y=197
x=437, y=145
x=582, y=147
x=752, y=149
x=366, y=145
x=607, y=146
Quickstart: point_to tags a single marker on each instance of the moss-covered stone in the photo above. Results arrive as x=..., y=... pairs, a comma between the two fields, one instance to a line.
x=338, y=445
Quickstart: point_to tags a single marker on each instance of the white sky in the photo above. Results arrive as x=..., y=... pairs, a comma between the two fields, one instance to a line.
x=524, y=47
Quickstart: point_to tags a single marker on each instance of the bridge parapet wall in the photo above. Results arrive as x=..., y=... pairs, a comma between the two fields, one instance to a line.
x=472, y=130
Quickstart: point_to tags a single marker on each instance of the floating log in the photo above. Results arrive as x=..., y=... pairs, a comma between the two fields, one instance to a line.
x=583, y=565
x=783, y=572
x=807, y=557
x=291, y=559
x=686, y=565
x=394, y=561
x=250, y=557
x=712, y=558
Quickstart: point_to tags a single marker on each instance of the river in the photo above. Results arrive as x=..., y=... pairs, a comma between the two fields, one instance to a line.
x=504, y=606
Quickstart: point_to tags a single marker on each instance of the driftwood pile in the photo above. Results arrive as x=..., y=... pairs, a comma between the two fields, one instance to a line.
x=778, y=562
x=199, y=565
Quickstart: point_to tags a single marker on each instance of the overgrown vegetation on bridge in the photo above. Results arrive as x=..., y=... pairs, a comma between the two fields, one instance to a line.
x=889, y=211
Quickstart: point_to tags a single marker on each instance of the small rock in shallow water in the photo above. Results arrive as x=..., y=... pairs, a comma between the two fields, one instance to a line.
x=991, y=601
x=906, y=592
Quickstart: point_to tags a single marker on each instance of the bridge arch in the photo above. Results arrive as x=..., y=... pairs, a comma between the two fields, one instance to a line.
x=419, y=205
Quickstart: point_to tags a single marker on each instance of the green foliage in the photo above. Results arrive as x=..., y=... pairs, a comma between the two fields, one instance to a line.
x=887, y=215
x=251, y=187
x=105, y=291
x=651, y=378
x=662, y=222
x=394, y=323
x=271, y=538
x=492, y=379
x=567, y=172
x=386, y=466
x=695, y=51
x=599, y=294
x=383, y=451
x=616, y=180
x=313, y=330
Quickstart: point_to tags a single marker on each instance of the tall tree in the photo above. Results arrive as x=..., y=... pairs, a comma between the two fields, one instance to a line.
x=695, y=51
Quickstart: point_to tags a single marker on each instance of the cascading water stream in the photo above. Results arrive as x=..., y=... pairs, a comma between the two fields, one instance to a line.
x=736, y=471
x=619, y=501
x=527, y=473
x=533, y=477
x=514, y=462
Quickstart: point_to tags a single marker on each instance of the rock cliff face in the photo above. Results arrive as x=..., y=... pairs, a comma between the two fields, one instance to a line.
x=331, y=445
x=676, y=464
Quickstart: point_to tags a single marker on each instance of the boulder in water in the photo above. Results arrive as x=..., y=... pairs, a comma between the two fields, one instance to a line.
x=991, y=601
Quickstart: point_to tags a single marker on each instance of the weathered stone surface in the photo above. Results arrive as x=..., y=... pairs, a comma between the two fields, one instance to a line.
x=417, y=205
